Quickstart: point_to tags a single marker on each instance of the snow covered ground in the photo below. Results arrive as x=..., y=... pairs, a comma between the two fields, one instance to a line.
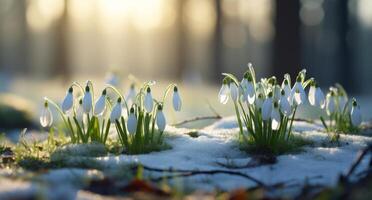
x=320, y=163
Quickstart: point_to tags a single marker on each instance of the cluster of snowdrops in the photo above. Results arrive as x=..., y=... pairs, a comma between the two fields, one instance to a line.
x=266, y=109
x=138, y=117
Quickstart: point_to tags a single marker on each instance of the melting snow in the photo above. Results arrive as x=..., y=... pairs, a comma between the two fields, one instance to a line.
x=318, y=164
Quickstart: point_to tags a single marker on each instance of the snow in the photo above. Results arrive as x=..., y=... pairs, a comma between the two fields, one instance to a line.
x=320, y=163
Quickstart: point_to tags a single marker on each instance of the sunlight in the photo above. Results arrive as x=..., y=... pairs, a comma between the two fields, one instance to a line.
x=200, y=17
x=42, y=13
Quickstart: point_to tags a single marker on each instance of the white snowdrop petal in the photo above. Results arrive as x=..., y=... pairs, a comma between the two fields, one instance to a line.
x=234, y=92
x=68, y=102
x=100, y=105
x=223, y=95
x=251, y=93
x=116, y=112
x=132, y=123
x=330, y=105
x=356, y=116
x=148, y=103
x=312, y=98
x=266, y=109
x=46, y=118
x=177, y=103
x=275, y=116
x=87, y=102
x=160, y=120
x=285, y=107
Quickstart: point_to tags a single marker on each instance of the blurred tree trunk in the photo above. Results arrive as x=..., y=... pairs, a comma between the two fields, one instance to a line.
x=181, y=42
x=217, y=47
x=346, y=71
x=287, y=52
x=60, y=57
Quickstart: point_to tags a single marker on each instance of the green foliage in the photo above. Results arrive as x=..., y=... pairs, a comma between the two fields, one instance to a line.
x=254, y=130
x=293, y=145
x=339, y=120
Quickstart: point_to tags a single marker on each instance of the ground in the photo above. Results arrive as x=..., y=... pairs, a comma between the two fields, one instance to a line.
x=200, y=162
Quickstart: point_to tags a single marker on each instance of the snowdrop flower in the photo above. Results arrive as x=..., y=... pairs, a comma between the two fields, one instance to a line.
x=286, y=87
x=298, y=98
x=177, y=103
x=223, y=95
x=243, y=90
x=234, y=92
x=68, y=101
x=330, y=103
x=267, y=107
x=285, y=107
x=131, y=95
x=275, y=116
x=87, y=100
x=80, y=114
x=259, y=101
x=250, y=93
x=316, y=96
x=298, y=95
x=46, y=118
x=116, y=111
x=148, y=103
x=100, y=105
x=132, y=122
x=277, y=92
x=355, y=114
x=160, y=119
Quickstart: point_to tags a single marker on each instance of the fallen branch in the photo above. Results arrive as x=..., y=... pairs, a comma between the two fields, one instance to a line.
x=304, y=120
x=358, y=160
x=196, y=119
x=188, y=173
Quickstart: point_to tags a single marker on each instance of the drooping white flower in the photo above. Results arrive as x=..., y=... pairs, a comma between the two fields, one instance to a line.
x=131, y=94
x=259, y=101
x=160, y=119
x=68, y=101
x=330, y=103
x=46, y=117
x=316, y=96
x=298, y=95
x=80, y=111
x=355, y=114
x=100, y=105
x=177, y=103
x=243, y=90
x=87, y=100
x=287, y=88
x=116, y=111
x=234, y=92
x=277, y=92
x=275, y=117
x=267, y=107
x=223, y=95
x=132, y=122
x=285, y=107
x=148, y=102
x=250, y=92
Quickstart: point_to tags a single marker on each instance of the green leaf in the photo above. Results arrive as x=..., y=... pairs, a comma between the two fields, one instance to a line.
x=232, y=77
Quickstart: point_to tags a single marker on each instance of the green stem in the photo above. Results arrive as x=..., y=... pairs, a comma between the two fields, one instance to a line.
x=120, y=95
x=291, y=124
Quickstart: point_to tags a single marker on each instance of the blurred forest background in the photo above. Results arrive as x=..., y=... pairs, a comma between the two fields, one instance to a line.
x=49, y=43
